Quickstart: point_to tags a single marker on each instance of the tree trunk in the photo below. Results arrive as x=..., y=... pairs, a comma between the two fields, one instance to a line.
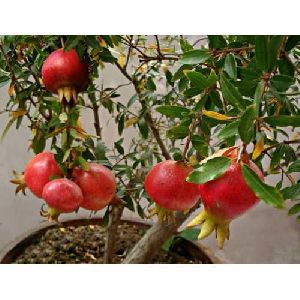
x=112, y=228
x=151, y=242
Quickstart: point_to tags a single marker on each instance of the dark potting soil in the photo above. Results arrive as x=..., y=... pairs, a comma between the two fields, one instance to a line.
x=85, y=244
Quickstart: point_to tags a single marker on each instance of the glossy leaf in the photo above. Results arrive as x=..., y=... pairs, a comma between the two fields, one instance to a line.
x=246, y=125
x=172, y=111
x=231, y=93
x=294, y=167
x=178, y=132
x=229, y=131
x=230, y=66
x=193, y=57
x=264, y=192
x=262, y=52
x=294, y=210
x=283, y=120
x=210, y=170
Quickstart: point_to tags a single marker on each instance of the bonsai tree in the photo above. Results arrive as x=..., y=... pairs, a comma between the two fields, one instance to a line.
x=210, y=119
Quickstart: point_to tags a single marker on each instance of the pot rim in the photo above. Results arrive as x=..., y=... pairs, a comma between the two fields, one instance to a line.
x=13, y=249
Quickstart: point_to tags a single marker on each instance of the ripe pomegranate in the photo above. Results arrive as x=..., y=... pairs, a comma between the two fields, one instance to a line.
x=98, y=186
x=39, y=170
x=63, y=73
x=62, y=196
x=167, y=186
x=226, y=198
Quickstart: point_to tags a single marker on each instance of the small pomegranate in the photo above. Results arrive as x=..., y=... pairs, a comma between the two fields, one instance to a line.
x=167, y=186
x=39, y=170
x=98, y=186
x=226, y=198
x=62, y=196
x=63, y=73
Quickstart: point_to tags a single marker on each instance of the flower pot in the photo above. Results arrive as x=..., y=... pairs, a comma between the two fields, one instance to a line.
x=189, y=251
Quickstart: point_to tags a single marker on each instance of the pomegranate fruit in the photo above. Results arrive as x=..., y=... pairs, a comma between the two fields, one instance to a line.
x=39, y=170
x=167, y=186
x=225, y=198
x=98, y=186
x=63, y=73
x=62, y=196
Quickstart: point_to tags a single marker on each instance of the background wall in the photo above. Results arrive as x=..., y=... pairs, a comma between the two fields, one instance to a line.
x=264, y=235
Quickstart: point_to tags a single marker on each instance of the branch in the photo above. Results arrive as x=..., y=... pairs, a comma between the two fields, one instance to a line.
x=112, y=228
x=95, y=108
x=151, y=242
x=191, y=130
x=148, y=116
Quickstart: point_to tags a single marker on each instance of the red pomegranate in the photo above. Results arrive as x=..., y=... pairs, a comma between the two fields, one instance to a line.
x=226, y=198
x=229, y=196
x=167, y=186
x=63, y=73
x=62, y=195
x=98, y=186
x=39, y=171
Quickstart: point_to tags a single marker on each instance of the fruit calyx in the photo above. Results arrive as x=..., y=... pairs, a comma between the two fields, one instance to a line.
x=19, y=180
x=209, y=224
x=51, y=214
x=163, y=214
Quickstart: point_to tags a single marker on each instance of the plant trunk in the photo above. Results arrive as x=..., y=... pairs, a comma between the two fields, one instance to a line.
x=112, y=228
x=151, y=242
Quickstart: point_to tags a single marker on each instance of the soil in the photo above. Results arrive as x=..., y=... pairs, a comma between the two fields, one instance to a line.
x=85, y=244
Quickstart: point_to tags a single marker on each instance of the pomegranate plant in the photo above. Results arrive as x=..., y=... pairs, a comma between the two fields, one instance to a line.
x=212, y=117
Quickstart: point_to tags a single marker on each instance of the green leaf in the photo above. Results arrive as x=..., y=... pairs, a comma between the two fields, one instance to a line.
x=172, y=111
x=72, y=41
x=83, y=163
x=294, y=210
x=216, y=41
x=180, y=72
x=150, y=85
x=246, y=125
x=190, y=234
x=121, y=123
x=200, y=145
x=231, y=93
x=66, y=155
x=210, y=170
x=291, y=192
x=281, y=82
x=274, y=47
x=264, y=192
x=283, y=120
x=258, y=96
x=277, y=155
x=292, y=41
x=230, y=66
x=7, y=127
x=197, y=79
x=100, y=150
x=294, y=167
x=229, y=130
x=194, y=57
x=261, y=52
x=178, y=132
x=118, y=146
x=143, y=127
x=168, y=243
